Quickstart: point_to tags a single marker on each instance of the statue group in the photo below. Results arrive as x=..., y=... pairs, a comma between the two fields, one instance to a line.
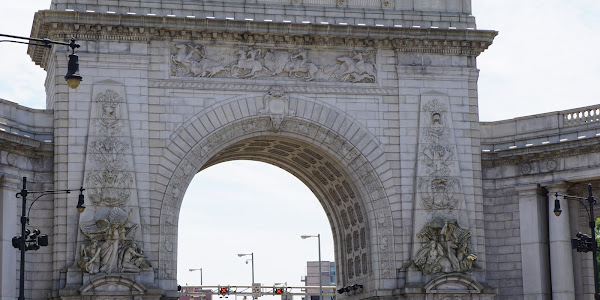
x=110, y=247
x=445, y=248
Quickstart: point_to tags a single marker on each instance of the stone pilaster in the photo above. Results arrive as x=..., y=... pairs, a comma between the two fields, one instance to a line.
x=534, y=242
x=561, y=255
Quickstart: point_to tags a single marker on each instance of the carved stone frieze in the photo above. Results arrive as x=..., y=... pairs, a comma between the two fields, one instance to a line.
x=192, y=60
x=445, y=248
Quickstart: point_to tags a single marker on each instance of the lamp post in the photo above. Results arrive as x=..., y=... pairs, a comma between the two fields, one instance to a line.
x=252, y=259
x=318, y=236
x=33, y=241
x=583, y=242
x=73, y=78
x=200, y=269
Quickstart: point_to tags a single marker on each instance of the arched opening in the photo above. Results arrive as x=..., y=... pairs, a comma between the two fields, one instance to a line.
x=326, y=178
x=247, y=206
x=337, y=166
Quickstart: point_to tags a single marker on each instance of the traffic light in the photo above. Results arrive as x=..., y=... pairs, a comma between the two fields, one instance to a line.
x=583, y=243
x=223, y=292
x=278, y=291
x=16, y=242
x=33, y=240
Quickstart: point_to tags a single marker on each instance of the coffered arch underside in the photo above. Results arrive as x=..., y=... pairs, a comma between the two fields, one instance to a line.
x=335, y=159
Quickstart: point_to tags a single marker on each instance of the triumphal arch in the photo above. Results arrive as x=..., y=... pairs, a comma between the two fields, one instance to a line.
x=371, y=103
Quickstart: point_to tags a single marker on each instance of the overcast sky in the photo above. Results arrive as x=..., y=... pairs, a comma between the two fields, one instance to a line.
x=544, y=59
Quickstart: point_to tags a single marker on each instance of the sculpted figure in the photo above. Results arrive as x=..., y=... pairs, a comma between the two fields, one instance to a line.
x=131, y=260
x=428, y=257
x=113, y=232
x=90, y=257
x=247, y=61
x=451, y=244
x=356, y=69
x=300, y=58
x=110, y=248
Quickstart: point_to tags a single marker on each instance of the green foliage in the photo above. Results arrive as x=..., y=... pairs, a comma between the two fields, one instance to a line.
x=597, y=233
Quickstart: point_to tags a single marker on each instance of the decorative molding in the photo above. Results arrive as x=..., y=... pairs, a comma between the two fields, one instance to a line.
x=533, y=155
x=201, y=84
x=59, y=24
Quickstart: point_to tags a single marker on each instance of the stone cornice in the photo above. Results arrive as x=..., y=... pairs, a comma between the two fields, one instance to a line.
x=95, y=26
x=551, y=151
x=26, y=146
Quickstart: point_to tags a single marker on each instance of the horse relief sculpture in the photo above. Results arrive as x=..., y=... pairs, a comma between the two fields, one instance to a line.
x=110, y=247
x=257, y=63
x=445, y=248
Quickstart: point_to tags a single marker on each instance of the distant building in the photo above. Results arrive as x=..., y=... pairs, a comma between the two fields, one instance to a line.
x=195, y=293
x=312, y=277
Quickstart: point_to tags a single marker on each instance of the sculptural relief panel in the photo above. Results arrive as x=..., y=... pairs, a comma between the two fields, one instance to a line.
x=194, y=60
x=444, y=239
x=445, y=248
x=109, y=240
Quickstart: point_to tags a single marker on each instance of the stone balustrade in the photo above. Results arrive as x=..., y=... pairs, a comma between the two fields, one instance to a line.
x=542, y=129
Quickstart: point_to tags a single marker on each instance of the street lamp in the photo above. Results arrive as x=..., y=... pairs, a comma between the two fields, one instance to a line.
x=583, y=242
x=318, y=236
x=33, y=241
x=73, y=78
x=252, y=259
x=192, y=270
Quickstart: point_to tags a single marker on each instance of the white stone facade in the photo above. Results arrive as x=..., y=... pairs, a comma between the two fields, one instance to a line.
x=373, y=105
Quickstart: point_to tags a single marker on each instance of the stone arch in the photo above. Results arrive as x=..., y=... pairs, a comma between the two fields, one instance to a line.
x=116, y=286
x=217, y=133
x=454, y=285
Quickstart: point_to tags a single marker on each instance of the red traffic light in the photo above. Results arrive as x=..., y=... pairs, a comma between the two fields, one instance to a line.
x=223, y=291
x=278, y=291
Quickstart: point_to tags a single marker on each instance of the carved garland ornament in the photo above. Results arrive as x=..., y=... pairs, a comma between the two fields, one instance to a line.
x=190, y=60
x=439, y=189
x=111, y=184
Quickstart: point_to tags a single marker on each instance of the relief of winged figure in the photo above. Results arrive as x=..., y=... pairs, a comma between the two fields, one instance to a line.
x=112, y=232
